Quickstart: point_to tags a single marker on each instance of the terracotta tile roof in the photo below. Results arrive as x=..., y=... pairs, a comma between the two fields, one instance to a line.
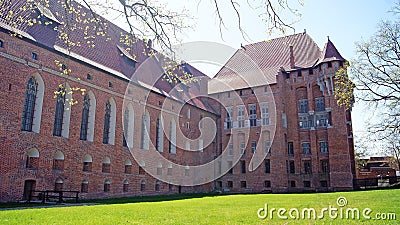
x=258, y=64
x=330, y=53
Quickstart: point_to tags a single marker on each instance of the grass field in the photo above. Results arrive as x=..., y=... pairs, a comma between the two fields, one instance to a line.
x=226, y=209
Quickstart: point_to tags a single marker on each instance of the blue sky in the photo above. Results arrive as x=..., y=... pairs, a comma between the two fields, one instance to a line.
x=344, y=21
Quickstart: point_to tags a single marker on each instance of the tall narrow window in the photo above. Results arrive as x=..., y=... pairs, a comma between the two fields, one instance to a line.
x=85, y=117
x=201, y=147
x=228, y=118
x=107, y=117
x=160, y=135
x=253, y=147
x=324, y=166
x=29, y=105
x=243, y=166
x=145, y=132
x=307, y=167
x=126, y=126
x=290, y=149
x=172, y=137
x=253, y=115
x=264, y=114
x=240, y=117
x=291, y=167
x=268, y=147
x=319, y=104
x=58, y=120
x=242, y=148
x=267, y=166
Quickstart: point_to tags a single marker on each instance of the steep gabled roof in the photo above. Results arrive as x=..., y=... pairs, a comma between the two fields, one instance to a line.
x=258, y=64
x=330, y=53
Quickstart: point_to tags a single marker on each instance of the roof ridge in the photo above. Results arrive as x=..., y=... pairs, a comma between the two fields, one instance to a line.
x=275, y=39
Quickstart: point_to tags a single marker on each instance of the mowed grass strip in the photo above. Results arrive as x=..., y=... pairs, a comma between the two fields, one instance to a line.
x=226, y=209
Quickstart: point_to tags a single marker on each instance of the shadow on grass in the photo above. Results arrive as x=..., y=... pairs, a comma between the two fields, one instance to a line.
x=158, y=198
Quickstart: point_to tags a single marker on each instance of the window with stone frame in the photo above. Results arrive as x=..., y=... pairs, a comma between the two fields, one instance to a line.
x=319, y=104
x=290, y=149
x=306, y=148
x=325, y=166
x=292, y=169
x=228, y=118
x=323, y=146
x=29, y=105
x=303, y=106
x=253, y=147
x=85, y=117
x=264, y=114
x=59, y=114
x=307, y=167
x=321, y=119
x=240, y=116
x=267, y=164
x=253, y=114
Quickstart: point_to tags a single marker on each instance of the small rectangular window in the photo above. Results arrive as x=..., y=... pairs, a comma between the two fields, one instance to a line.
x=292, y=183
x=243, y=184
x=34, y=56
x=230, y=166
x=291, y=167
x=311, y=71
x=323, y=147
x=303, y=106
x=253, y=115
x=325, y=166
x=267, y=183
x=267, y=166
x=320, y=104
x=110, y=84
x=243, y=166
x=253, y=146
x=240, y=92
x=324, y=183
x=229, y=184
x=307, y=167
x=307, y=184
x=329, y=64
x=290, y=149
x=299, y=73
x=88, y=76
x=1, y=43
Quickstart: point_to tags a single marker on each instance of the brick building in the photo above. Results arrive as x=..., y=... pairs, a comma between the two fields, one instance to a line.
x=47, y=144
x=279, y=101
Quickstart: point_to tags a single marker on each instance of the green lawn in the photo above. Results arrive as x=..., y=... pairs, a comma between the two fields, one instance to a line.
x=227, y=209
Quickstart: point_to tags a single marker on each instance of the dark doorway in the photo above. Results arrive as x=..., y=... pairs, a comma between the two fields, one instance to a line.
x=180, y=189
x=28, y=188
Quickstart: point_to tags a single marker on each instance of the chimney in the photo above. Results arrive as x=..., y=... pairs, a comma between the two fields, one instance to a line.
x=203, y=83
x=292, y=63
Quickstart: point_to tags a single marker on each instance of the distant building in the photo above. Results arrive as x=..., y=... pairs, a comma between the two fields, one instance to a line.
x=376, y=167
